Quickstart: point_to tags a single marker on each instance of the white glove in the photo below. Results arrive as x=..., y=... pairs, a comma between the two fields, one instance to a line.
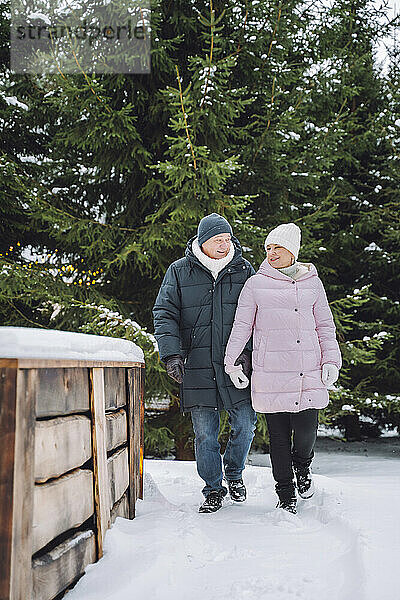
x=329, y=375
x=239, y=379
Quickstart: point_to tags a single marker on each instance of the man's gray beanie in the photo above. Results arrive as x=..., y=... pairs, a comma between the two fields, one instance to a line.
x=212, y=225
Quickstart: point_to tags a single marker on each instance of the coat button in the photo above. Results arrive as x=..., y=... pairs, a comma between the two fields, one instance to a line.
x=293, y=282
x=296, y=310
x=244, y=266
x=301, y=374
x=296, y=402
x=298, y=341
x=309, y=400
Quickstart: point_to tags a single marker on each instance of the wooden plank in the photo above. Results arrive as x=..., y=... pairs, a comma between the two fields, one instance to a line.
x=8, y=363
x=118, y=474
x=8, y=398
x=115, y=388
x=142, y=377
x=21, y=573
x=120, y=508
x=55, y=571
x=135, y=435
x=67, y=363
x=131, y=444
x=62, y=392
x=61, y=504
x=61, y=444
x=116, y=429
x=138, y=430
x=101, y=484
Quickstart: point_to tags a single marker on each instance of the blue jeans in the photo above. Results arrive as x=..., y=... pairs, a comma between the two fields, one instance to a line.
x=242, y=420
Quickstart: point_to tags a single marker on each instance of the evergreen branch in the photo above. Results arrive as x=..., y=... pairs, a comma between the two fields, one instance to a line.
x=144, y=28
x=211, y=55
x=54, y=56
x=275, y=30
x=328, y=197
x=268, y=123
x=272, y=39
x=83, y=220
x=271, y=43
x=337, y=117
x=238, y=49
x=307, y=7
x=85, y=75
x=24, y=316
x=384, y=130
x=64, y=213
x=273, y=33
x=272, y=103
x=329, y=128
x=184, y=118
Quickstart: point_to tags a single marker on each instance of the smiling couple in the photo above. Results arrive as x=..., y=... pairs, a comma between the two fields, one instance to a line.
x=219, y=325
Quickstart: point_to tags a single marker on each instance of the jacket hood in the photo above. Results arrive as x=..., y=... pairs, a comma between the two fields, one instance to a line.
x=237, y=256
x=266, y=269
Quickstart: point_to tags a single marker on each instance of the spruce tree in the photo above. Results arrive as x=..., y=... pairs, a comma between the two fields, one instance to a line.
x=265, y=112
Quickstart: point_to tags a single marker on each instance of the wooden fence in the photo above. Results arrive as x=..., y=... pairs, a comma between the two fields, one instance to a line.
x=71, y=461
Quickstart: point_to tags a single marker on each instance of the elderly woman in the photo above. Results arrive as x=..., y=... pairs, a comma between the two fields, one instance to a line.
x=295, y=359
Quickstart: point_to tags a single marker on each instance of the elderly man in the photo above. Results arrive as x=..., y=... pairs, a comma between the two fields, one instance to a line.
x=193, y=316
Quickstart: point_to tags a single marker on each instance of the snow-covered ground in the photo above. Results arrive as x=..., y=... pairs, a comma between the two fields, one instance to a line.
x=344, y=543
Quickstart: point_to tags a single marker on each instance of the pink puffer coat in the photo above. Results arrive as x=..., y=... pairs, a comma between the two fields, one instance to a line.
x=293, y=336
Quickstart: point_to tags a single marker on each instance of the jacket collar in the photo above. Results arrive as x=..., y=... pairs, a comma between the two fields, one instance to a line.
x=215, y=265
x=266, y=269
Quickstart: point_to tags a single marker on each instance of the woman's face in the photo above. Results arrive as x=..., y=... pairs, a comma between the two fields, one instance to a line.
x=278, y=257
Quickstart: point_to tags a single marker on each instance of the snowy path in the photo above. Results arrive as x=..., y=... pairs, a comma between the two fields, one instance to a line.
x=344, y=544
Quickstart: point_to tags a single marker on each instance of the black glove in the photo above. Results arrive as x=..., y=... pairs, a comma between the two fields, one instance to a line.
x=175, y=367
x=244, y=360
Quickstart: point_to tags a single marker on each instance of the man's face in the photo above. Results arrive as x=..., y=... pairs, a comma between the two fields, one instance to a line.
x=218, y=246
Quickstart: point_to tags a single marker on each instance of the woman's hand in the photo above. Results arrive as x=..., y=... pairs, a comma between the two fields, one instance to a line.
x=330, y=374
x=239, y=379
x=244, y=361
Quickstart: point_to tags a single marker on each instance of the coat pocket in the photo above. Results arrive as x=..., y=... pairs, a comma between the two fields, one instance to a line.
x=260, y=353
x=317, y=348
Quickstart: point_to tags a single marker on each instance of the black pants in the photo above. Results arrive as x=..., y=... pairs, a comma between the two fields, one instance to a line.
x=286, y=453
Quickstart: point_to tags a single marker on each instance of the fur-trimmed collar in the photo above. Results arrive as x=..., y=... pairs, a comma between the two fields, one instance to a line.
x=296, y=270
x=215, y=265
x=305, y=271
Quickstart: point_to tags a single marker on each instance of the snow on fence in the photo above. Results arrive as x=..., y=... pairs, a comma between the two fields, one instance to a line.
x=71, y=460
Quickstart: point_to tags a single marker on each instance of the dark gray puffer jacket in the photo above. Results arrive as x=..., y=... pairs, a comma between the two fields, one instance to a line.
x=193, y=317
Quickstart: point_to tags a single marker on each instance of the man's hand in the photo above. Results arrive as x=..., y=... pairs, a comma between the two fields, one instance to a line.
x=175, y=367
x=329, y=374
x=239, y=379
x=244, y=360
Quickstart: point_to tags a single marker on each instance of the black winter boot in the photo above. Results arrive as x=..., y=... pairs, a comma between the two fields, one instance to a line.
x=237, y=490
x=287, y=497
x=305, y=484
x=213, y=501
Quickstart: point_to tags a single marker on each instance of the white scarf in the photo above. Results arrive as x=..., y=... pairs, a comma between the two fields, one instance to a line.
x=215, y=265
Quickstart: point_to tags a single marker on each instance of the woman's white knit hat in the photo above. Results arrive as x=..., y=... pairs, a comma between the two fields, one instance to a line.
x=287, y=235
